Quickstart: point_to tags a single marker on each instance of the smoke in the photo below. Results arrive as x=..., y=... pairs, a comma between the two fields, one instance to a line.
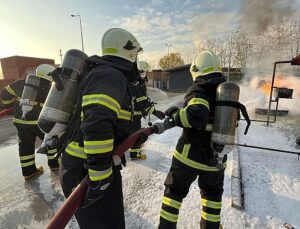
x=258, y=15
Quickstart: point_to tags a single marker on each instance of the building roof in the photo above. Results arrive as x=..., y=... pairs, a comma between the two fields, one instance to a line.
x=27, y=57
x=178, y=68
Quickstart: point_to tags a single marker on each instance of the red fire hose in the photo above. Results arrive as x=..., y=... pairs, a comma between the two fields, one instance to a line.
x=73, y=202
x=5, y=112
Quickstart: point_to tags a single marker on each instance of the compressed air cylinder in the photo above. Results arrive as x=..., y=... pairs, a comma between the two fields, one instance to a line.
x=28, y=100
x=60, y=102
x=225, y=117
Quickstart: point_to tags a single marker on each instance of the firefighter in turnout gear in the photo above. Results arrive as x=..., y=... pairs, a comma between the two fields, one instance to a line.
x=142, y=107
x=192, y=157
x=26, y=113
x=104, y=121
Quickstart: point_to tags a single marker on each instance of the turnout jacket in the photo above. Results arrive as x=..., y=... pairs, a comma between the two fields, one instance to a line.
x=196, y=118
x=105, y=119
x=142, y=103
x=11, y=95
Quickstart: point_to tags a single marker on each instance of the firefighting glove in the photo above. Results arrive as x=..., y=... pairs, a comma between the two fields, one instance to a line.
x=172, y=113
x=141, y=139
x=161, y=127
x=159, y=114
x=96, y=191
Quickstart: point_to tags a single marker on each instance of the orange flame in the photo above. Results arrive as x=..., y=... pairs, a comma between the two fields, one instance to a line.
x=265, y=86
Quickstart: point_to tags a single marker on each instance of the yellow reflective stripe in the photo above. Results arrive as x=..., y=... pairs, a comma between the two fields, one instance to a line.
x=139, y=99
x=26, y=164
x=186, y=149
x=124, y=115
x=23, y=158
x=34, y=122
x=51, y=154
x=208, y=69
x=137, y=113
x=198, y=101
x=135, y=150
x=195, y=164
x=211, y=204
x=183, y=118
x=173, y=203
x=52, y=151
x=150, y=109
x=75, y=150
x=168, y=216
x=110, y=51
x=99, y=175
x=209, y=127
x=95, y=147
x=51, y=157
x=103, y=100
x=210, y=217
x=103, y=142
x=6, y=102
x=11, y=91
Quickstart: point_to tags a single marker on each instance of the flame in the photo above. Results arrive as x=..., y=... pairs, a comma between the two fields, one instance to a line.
x=265, y=86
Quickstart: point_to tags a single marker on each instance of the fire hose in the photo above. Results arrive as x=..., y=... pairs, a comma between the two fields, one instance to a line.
x=73, y=202
x=5, y=112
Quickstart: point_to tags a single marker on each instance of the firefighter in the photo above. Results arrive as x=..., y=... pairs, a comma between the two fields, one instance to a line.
x=28, y=131
x=193, y=155
x=103, y=122
x=143, y=106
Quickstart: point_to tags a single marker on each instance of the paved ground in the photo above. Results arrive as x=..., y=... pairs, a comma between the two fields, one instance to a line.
x=30, y=204
x=7, y=131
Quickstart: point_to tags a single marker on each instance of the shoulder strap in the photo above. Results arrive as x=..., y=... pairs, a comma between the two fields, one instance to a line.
x=239, y=106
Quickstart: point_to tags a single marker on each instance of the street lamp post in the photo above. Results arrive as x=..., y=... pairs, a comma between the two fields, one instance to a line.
x=61, y=55
x=168, y=46
x=229, y=58
x=77, y=15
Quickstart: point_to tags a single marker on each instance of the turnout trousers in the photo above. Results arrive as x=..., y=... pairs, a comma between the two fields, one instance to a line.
x=136, y=149
x=108, y=212
x=27, y=135
x=177, y=184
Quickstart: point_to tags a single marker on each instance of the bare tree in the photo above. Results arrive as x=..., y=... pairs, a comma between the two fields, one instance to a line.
x=243, y=49
x=217, y=46
x=257, y=50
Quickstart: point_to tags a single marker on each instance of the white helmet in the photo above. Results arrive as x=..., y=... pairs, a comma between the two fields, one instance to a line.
x=205, y=63
x=42, y=71
x=143, y=66
x=121, y=43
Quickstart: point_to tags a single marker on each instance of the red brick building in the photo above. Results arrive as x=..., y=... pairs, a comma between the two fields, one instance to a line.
x=17, y=67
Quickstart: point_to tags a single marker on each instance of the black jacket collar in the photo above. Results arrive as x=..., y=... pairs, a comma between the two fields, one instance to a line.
x=210, y=79
x=113, y=61
x=129, y=69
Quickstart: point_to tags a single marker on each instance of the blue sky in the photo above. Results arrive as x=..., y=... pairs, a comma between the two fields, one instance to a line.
x=40, y=28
